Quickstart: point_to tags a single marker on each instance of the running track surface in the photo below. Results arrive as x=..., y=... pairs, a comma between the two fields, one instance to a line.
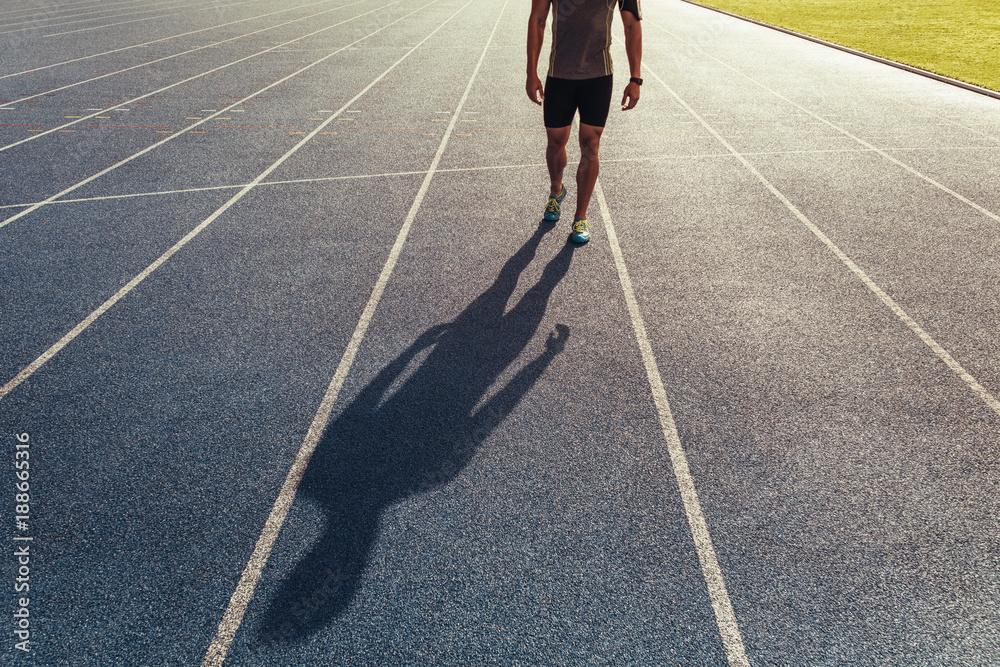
x=307, y=382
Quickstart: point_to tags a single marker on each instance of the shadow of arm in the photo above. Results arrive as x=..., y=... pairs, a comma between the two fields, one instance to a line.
x=503, y=403
x=374, y=390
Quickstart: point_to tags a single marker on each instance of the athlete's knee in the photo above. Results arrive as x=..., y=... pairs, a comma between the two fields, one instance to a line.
x=590, y=136
x=590, y=146
x=557, y=138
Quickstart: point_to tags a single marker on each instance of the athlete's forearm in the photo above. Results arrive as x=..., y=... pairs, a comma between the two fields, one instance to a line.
x=536, y=34
x=633, y=48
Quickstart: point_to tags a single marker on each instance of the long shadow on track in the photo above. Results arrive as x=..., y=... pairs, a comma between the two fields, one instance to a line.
x=381, y=450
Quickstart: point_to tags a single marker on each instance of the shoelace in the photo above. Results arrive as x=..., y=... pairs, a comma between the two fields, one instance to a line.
x=580, y=225
x=552, y=206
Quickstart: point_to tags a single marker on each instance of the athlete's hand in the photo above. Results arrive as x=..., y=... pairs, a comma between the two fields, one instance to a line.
x=631, y=96
x=536, y=93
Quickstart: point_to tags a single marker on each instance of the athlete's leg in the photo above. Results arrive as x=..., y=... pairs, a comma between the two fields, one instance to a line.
x=559, y=108
x=590, y=165
x=594, y=101
x=555, y=157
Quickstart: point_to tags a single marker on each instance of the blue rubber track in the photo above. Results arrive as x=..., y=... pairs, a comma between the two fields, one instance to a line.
x=197, y=202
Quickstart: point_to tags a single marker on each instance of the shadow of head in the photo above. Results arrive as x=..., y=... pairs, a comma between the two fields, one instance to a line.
x=411, y=430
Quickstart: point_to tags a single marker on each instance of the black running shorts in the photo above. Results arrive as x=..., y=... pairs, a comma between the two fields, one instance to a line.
x=564, y=96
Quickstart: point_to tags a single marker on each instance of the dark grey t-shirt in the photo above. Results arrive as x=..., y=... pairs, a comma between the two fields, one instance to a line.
x=581, y=36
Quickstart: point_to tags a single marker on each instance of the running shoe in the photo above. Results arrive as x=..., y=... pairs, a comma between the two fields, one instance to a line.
x=581, y=231
x=554, y=206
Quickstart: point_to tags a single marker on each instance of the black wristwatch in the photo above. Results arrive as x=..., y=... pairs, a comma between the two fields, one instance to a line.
x=636, y=80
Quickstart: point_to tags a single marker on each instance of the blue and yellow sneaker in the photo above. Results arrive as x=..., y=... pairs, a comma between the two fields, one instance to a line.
x=581, y=231
x=554, y=206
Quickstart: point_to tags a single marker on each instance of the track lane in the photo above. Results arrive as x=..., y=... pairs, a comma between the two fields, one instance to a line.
x=185, y=81
x=847, y=477
x=104, y=26
x=65, y=7
x=8, y=25
x=233, y=617
x=877, y=246
x=323, y=259
x=40, y=68
x=551, y=486
x=65, y=340
x=826, y=431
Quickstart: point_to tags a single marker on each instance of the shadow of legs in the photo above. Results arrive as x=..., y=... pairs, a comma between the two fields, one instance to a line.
x=382, y=449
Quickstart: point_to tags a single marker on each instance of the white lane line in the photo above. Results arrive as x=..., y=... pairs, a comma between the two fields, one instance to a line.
x=324, y=179
x=135, y=194
x=989, y=214
x=420, y=172
x=942, y=354
x=66, y=8
x=166, y=39
x=183, y=81
x=725, y=617
x=63, y=7
x=233, y=616
x=179, y=133
x=296, y=181
x=29, y=370
x=159, y=193
x=951, y=122
x=109, y=25
x=95, y=18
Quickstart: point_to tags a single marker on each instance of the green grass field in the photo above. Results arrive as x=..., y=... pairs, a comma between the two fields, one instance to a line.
x=956, y=38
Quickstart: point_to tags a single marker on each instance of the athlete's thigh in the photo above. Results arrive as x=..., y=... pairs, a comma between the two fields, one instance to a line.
x=559, y=105
x=593, y=97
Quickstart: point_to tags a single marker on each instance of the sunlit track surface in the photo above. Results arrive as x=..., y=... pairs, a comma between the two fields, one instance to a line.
x=306, y=381
x=33, y=69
